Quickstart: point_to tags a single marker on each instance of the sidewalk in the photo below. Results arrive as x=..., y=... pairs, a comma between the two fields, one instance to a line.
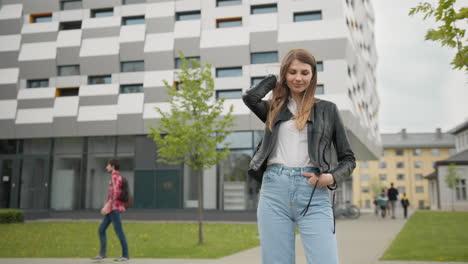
x=360, y=241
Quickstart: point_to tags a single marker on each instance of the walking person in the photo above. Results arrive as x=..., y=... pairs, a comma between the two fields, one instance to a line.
x=405, y=203
x=392, y=197
x=295, y=161
x=383, y=203
x=111, y=211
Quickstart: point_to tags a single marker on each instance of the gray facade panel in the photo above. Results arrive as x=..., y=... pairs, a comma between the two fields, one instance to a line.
x=36, y=103
x=91, y=4
x=65, y=126
x=223, y=57
x=156, y=95
x=96, y=65
x=131, y=51
x=8, y=128
x=40, y=130
x=242, y=122
x=39, y=7
x=68, y=81
x=188, y=46
x=10, y=26
x=130, y=124
x=68, y=56
x=37, y=69
x=97, y=128
x=39, y=37
x=9, y=59
x=329, y=49
x=263, y=41
x=160, y=24
x=152, y=122
x=156, y=61
x=98, y=100
x=101, y=32
x=8, y=91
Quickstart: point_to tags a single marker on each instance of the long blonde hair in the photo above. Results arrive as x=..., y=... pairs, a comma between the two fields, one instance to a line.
x=281, y=92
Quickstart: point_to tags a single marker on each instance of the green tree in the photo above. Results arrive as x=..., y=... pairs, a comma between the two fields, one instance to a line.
x=448, y=34
x=194, y=130
x=452, y=179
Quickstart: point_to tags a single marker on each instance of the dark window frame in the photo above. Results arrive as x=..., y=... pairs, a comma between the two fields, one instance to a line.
x=178, y=15
x=298, y=15
x=41, y=81
x=253, y=8
x=129, y=18
x=218, y=92
x=92, y=77
x=133, y=85
x=93, y=12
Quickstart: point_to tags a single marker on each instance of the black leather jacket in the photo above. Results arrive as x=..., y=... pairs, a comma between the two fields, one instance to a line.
x=324, y=128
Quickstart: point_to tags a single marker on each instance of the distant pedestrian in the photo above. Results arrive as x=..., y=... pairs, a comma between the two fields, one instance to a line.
x=376, y=205
x=405, y=203
x=111, y=211
x=383, y=203
x=392, y=197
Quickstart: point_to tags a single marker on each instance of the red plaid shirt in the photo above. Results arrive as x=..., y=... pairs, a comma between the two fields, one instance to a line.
x=115, y=188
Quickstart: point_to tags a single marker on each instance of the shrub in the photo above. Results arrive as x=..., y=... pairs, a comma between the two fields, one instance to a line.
x=11, y=216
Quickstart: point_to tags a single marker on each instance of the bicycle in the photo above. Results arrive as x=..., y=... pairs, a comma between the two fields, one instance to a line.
x=347, y=210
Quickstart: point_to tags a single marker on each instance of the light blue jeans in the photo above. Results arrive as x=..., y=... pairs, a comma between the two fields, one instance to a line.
x=284, y=194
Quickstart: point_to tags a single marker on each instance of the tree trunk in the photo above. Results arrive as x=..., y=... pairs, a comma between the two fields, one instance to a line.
x=200, y=206
x=453, y=194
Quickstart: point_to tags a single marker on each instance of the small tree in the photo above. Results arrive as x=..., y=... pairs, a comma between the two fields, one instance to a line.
x=448, y=34
x=194, y=129
x=452, y=180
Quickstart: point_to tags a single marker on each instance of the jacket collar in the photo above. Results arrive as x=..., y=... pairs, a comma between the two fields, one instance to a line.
x=285, y=114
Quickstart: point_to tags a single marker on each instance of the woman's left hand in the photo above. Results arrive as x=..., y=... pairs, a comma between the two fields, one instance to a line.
x=323, y=179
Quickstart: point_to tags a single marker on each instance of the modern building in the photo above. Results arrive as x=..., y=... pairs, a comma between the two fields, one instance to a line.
x=442, y=197
x=405, y=160
x=79, y=80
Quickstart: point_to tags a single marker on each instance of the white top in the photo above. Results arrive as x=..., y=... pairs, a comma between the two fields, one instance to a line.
x=291, y=149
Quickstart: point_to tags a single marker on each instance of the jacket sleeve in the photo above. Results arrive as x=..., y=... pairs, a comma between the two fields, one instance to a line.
x=253, y=97
x=346, y=159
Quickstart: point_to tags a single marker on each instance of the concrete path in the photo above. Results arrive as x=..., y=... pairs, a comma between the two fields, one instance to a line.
x=360, y=241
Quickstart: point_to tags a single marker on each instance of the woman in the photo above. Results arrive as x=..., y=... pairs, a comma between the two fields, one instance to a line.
x=296, y=151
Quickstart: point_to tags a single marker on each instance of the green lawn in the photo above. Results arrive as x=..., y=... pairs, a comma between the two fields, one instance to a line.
x=432, y=236
x=145, y=240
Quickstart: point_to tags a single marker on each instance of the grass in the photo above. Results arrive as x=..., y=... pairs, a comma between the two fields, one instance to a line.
x=145, y=240
x=432, y=236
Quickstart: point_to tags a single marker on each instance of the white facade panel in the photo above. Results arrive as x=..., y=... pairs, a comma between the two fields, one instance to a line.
x=38, y=51
x=36, y=93
x=159, y=42
x=133, y=10
x=97, y=113
x=101, y=22
x=9, y=76
x=224, y=37
x=99, y=89
x=39, y=27
x=187, y=5
x=130, y=103
x=133, y=33
x=8, y=109
x=150, y=113
x=35, y=116
x=263, y=22
x=10, y=43
x=99, y=47
x=187, y=29
x=73, y=15
x=155, y=78
x=66, y=106
x=164, y=9
x=11, y=11
x=69, y=38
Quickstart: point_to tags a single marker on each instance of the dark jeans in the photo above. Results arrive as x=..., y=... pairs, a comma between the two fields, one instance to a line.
x=405, y=211
x=113, y=217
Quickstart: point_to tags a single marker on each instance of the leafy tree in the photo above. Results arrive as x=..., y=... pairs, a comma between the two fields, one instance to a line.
x=194, y=130
x=452, y=179
x=448, y=34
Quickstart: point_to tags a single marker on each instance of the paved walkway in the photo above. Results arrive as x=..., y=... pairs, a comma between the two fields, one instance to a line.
x=360, y=241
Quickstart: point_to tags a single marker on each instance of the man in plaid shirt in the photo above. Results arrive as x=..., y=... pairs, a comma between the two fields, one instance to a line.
x=111, y=211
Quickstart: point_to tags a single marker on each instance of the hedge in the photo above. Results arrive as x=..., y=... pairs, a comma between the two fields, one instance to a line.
x=11, y=216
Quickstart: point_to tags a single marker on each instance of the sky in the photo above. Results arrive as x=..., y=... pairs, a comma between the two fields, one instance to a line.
x=417, y=87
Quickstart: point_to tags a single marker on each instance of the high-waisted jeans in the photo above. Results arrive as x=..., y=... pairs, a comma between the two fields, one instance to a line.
x=284, y=194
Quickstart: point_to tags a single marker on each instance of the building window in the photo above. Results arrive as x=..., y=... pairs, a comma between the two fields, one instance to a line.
x=364, y=177
x=382, y=165
x=421, y=203
x=418, y=164
x=220, y=3
x=364, y=164
x=319, y=66
x=178, y=61
x=419, y=189
x=256, y=80
x=399, y=152
x=228, y=72
x=70, y=25
x=401, y=189
x=103, y=12
x=418, y=177
x=365, y=189
x=400, y=164
x=37, y=83
x=416, y=152
x=384, y=153
x=461, y=190
x=100, y=79
x=400, y=177
x=133, y=20
x=229, y=94
x=320, y=89
x=307, y=16
x=40, y=18
x=69, y=91
x=435, y=152
x=383, y=177
x=132, y=66
x=452, y=151
x=130, y=2
x=229, y=22
x=263, y=9
x=70, y=4
x=131, y=88
x=189, y=15
x=263, y=57
x=68, y=70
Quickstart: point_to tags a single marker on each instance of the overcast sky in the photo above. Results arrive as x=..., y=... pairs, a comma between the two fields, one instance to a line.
x=418, y=89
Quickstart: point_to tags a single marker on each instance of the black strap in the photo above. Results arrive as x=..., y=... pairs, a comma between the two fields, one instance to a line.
x=333, y=210
x=304, y=211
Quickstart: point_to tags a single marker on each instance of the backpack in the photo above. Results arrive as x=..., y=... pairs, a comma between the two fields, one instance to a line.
x=125, y=196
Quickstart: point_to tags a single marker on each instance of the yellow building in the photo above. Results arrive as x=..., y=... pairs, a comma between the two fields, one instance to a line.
x=405, y=160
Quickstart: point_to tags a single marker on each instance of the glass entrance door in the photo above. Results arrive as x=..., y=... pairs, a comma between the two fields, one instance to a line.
x=34, y=183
